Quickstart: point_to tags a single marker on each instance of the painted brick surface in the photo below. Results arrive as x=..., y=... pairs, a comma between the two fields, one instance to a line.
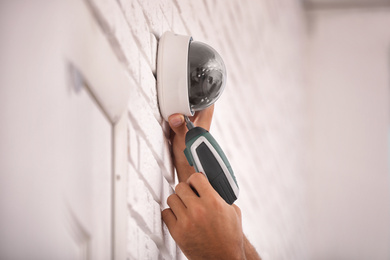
x=260, y=120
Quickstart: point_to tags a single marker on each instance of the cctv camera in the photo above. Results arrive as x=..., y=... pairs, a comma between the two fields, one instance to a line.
x=191, y=75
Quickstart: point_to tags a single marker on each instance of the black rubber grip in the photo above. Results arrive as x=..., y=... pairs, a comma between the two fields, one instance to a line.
x=215, y=174
x=222, y=186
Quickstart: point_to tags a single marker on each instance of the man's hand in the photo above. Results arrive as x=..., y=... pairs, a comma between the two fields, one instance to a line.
x=202, y=223
x=176, y=122
x=204, y=226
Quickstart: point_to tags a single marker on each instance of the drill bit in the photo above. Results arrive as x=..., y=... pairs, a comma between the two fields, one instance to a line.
x=189, y=124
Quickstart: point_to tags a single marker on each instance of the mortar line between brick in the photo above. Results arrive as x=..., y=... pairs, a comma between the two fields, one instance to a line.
x=158, y=242
x=144, y=226
x=146, y=97
x=146, y=183
x=185, y=26
x=137, y=42
x=139, y=219
x=199, y=23
x=145, y=16
x=151, y=147
x=207, y=7
x=177, y=5
x=115, y=45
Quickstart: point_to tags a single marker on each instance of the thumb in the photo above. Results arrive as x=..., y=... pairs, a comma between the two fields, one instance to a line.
x=176, y=122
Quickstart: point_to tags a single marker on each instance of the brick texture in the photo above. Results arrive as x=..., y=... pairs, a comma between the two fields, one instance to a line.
x=260, y=120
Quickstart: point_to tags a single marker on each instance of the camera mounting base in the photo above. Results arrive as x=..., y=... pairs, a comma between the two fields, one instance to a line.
x=172, y=75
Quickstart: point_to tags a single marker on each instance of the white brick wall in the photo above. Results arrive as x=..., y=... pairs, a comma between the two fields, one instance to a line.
x=259, y=120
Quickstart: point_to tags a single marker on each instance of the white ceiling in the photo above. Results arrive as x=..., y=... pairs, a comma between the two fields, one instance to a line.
x=345, y=3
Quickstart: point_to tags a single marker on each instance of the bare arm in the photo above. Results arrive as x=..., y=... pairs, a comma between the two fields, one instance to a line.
x=202, y=223
x=204, y=226
x=250, y=251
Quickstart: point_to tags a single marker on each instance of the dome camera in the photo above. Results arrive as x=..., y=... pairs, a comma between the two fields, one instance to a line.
x=191, y=75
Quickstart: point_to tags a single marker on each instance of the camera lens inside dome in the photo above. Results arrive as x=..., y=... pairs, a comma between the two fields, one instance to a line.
x=207, y=75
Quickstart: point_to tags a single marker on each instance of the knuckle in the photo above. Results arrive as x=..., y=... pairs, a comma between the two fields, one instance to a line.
x=179, y=187
x=196, y=176
x=186, y=224
x=165, y=214
x=199, y=175
x=191, y=178
x=238, y=210
x=171, y=198
x=217, y=203
x=198, y=213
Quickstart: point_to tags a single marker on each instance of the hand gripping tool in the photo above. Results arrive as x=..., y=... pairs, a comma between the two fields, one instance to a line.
x=204, y=153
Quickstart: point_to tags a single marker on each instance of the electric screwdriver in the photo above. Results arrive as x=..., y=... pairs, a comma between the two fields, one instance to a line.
x=204, y=153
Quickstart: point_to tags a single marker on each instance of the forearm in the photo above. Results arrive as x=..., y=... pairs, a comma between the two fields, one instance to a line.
x=250, y=251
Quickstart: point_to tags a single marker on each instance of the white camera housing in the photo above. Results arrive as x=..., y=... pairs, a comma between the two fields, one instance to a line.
x=190, y=75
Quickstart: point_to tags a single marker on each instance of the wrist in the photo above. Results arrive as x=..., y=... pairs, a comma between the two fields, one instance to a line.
x=250, y=251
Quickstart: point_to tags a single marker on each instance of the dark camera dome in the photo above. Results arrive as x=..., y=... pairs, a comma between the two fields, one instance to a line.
x=207, y=75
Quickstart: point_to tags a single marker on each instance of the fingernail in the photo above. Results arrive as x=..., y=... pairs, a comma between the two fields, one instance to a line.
x=176, y=121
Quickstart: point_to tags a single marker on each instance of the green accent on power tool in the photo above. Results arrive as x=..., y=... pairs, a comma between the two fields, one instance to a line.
x=188, y=155
x=190, y=158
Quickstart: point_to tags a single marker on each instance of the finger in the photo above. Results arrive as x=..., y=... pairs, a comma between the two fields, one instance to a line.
x=169, y=218
x=203, y=118
x=176, y=122
x=171, y=135
x=238, y=210
x=183, y=168
x=179, y=129
x=176, y=204
x=200, y=183
x=186, y=194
